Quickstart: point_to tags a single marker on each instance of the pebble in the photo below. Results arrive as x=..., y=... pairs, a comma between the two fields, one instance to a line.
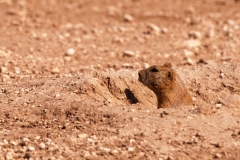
x=25, y=139
x=154, y=28
x=3, y=53
x=9, y=155
x=31, y=148
x=192, y=43
x=58, y=96
x=42, y=145
x=128, y=53
x=128, y=18
x=195, y=35
x=146, y=65
x=106, y=149
x=83, y=135
x=70, y=52
x=190, y=61
x=130, y=149
x=218, y=105
x=187, y=53
x=90, y=140
x=14, y=143
x=164, y=30
x=210, y=33
x=218, y=155
x=114, y=152
x=3, y=69
x=127, y=65
x=55, y=70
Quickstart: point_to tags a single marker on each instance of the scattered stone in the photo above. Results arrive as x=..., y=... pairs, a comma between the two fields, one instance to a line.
x=192, y=43
x=210, y=33
x=9, y=155
x=190, y=61
x=164, y=30
x=127, y=65
x=188, y=53
x=14, y=143
x=25, y=139
x=55, y=70
x=70, y=52
x=130, y=149
x=218, y=105
x=83, y=135
x=146, y=65
x=128, y=53
x=3, y=69
x=3, y=54
x=90, y=140
x=218, y=155
x=190, y=10
x=128, y=18
x=154, y=28
x=114, y=152
x=106, y=149
x=57, y=96
x=42, y=145
x=31, y=148
x=194, y=35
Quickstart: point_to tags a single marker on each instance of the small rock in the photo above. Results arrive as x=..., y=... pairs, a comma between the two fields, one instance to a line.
x=3, y=53
x=90, y=140
x=187, y=53
x=128, y=18
x=114, y=152
x=194, y=35
x=9, y=155
x=146, y=65
x=31, y=148
x=154, y=28
x=192, y=43
x=55, y=70
x=210, y=33
x=3, y=69
x=164, y=30
x=25, y=139
x=130, y=149
x=106, y=149
x=218, y=105
x=190, y=10
x=57, y=96
x=83, y=135
x=14, y=143
x=128, y=53
x=190, y=61
x=127, y=65
x=42, y=145
x=218, y=155
x=70, y=52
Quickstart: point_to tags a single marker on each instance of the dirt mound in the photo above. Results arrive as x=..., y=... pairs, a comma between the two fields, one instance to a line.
x=69, y=86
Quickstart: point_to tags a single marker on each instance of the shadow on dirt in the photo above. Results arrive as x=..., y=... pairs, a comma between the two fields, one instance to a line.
x=130, y=96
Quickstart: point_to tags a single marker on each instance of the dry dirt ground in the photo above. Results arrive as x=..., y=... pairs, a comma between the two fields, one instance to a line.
x=69, y=86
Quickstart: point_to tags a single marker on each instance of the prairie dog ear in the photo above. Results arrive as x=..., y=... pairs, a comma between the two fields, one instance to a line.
x=167, y=64
x=170, y=75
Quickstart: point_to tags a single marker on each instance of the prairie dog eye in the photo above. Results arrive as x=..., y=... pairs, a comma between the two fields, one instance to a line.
x=154, y=70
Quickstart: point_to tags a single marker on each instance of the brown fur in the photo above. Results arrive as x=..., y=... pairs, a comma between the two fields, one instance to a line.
x=166, y=84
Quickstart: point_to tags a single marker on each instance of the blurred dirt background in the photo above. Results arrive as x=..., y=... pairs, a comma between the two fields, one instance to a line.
x=69, y=86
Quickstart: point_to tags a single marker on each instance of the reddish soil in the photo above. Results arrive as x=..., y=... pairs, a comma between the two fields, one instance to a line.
x=69, y=87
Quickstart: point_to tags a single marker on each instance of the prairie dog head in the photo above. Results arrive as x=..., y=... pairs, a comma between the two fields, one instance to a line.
x=158, y=78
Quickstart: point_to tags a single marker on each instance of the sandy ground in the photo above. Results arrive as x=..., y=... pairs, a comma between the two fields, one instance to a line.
x=69, y=87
